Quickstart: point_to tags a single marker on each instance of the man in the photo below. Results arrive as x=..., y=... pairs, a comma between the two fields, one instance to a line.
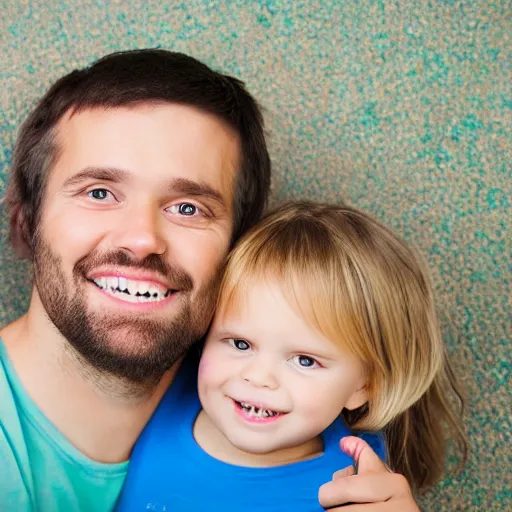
x=130, y=181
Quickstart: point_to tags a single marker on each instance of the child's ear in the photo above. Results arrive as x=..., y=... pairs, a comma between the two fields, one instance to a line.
x=358, y=398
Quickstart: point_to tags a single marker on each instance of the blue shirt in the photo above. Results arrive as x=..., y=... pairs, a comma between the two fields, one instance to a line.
x=169, y=472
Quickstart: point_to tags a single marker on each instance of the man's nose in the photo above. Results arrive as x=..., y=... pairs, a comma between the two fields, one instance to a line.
x=260, y=373
x=140, y=232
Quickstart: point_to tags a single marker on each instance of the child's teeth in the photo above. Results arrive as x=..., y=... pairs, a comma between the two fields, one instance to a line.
x=257, y=412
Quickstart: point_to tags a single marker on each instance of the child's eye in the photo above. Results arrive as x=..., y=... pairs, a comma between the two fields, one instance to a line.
x=306, y=362
x=239, y=344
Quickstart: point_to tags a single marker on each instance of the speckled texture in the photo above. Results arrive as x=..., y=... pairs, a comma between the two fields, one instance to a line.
x=401, y=108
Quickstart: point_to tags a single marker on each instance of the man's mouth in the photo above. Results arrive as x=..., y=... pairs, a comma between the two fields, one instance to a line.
x=132, y=290
x=255, y=412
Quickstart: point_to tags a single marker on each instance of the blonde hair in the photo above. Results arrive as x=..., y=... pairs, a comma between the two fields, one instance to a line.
x=361, y=287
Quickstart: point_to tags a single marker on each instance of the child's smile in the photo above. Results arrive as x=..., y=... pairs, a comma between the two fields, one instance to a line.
x=257, y=413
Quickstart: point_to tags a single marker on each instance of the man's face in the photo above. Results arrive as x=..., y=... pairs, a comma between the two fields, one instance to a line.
x=136, y=219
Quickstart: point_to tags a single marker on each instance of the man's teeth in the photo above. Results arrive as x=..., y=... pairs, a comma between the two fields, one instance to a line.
x=132, y=291
x=257, y=412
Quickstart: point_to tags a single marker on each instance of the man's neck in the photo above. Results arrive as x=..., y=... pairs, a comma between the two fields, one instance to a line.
x=101, y=416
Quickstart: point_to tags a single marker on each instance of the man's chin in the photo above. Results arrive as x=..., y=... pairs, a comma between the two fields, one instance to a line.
x=136, y=360
x=135, y=350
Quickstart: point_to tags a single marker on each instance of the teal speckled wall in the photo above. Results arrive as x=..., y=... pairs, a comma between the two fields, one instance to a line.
x=401, y=108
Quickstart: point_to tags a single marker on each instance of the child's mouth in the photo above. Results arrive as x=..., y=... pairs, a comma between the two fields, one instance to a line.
x=253, y=412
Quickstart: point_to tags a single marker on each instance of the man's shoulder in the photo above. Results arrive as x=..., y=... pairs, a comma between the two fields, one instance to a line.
x=11, y=430
x=40, y=469
x=15, y=483
x=15, y=476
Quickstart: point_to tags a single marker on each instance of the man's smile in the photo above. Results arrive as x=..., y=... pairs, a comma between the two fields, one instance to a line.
x=137, y=287
x=132, y=290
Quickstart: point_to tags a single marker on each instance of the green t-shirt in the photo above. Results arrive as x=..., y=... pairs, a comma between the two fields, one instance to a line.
x=40, y=471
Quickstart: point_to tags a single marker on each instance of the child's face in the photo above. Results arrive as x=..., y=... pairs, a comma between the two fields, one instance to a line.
x=269, y=381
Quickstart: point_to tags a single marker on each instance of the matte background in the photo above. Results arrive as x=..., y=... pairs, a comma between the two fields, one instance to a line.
x=401, y=108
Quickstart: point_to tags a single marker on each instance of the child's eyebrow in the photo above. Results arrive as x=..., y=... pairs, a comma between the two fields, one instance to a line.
x=312, y=352
x=230, y=333
x=312, y=349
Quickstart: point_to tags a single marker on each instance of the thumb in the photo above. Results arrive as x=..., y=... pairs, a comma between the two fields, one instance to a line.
x=366, y=460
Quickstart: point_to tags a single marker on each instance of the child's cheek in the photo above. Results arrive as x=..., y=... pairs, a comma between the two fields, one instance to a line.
x=204, y=366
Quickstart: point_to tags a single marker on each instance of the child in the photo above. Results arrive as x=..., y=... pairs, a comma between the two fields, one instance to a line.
x=325, y=325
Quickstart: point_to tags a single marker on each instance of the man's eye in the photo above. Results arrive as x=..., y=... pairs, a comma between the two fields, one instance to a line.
x=306, y=362
x=240, y=344
x=98, y=194
x=185, y=209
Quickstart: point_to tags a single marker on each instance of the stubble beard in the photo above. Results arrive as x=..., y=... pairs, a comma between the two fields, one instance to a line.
x=128, y=347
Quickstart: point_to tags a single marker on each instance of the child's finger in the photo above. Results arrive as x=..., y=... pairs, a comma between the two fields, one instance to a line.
x=367, y=461
x=342, y=473
x=371, y=489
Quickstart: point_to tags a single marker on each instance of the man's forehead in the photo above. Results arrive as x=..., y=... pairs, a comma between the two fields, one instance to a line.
x=148, y=135
x=98, y=116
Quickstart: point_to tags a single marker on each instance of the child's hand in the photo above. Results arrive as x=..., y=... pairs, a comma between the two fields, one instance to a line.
x=373, y=488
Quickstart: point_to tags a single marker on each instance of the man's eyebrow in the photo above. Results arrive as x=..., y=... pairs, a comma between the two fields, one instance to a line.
x=193, y=188
x=116, y=175
x=97, y=173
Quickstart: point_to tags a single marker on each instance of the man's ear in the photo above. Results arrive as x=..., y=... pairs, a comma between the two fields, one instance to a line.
x=358, y=398
x=18, y=231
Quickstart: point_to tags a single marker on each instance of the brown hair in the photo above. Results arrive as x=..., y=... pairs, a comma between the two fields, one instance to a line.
x=361, y=287
x=125, y=79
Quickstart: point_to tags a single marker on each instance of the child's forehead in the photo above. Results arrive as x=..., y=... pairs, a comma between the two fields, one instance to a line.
x=237, y=298
x=264, y=305
x=265, y=290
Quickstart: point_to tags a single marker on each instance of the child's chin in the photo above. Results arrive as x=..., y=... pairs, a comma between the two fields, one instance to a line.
x=255, y=448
